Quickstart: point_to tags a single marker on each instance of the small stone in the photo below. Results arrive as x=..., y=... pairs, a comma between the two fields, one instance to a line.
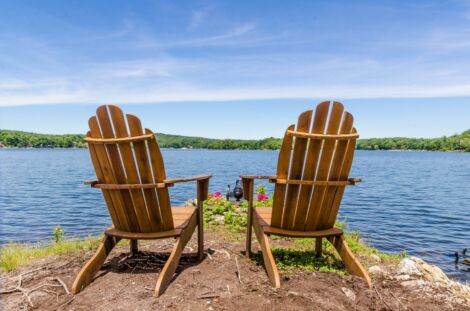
x=292, y=294
x=375, y=258
x=403, y=277
x=349, y=293
x=413, y=284
x=408, y=266
x=376, y=270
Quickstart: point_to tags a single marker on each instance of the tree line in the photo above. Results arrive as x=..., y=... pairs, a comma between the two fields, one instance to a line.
x=19, y=139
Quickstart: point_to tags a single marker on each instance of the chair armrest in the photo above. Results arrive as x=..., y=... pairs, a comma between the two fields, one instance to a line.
x=90, y=182
x=171, y=182
x=354, y=180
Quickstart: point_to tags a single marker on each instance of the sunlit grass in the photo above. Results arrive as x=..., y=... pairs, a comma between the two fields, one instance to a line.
x=14, y=255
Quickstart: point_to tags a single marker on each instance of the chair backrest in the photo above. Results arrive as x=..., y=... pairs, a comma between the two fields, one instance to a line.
x=122, y=154
x=322, y=158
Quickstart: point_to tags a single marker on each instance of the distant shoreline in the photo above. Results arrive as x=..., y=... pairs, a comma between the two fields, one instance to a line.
x=207, y=149
x=17, y=139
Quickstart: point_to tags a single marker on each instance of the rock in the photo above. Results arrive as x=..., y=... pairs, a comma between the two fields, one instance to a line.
x=349, y=293
x=377, y=271
x=430, y=272
x=219, y=219
x=375, y=258
x=408, y=266
x=413, y=284
x=292, y=294
x=402, y=277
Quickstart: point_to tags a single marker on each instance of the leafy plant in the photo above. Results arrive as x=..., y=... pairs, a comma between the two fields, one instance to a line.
x=261, y=189
x=58, y=234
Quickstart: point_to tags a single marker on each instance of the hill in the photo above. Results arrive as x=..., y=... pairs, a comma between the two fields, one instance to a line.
x=19, y=139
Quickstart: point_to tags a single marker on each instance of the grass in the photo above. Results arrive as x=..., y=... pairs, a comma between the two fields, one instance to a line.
x=300, y=254
x=14, y=255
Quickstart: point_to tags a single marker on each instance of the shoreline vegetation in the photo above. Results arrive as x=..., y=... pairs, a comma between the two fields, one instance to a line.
x=20, y=139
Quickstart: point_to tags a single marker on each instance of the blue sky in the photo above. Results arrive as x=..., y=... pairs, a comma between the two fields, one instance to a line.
x=241, y=69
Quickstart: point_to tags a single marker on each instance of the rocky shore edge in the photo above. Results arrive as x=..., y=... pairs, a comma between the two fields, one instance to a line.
x=416, y=275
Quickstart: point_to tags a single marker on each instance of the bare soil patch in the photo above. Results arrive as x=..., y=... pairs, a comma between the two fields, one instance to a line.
x=224, y=280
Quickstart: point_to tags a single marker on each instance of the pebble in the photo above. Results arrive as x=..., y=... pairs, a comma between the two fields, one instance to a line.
x=375, y=258
x=349, y=293
x=413, y=284
x=376, y=270
x=402, y=277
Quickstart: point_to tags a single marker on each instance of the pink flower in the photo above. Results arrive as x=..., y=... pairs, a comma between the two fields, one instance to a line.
x=261, y=197
x=217, y=194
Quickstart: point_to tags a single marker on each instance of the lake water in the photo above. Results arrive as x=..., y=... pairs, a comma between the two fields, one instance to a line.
x=418, y=202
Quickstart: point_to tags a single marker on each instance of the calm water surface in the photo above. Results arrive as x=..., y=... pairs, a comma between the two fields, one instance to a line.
x=418, y=202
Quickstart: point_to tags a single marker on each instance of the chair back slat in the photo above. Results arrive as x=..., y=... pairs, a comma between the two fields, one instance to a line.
x=135, y=209
x=339, y=155
x=296, y=167
x=109, y=177
x=145, y=170
x=314, y=158
x=311, y=163
x=109, y=198
x=346, y=168
x=324, y=165
x=115, y=115
x=119, y=170
x=159, y=174
x=283, y=163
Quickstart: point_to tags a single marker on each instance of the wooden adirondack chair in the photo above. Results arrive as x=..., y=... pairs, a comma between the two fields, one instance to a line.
x=131, y=175
x=312, y=172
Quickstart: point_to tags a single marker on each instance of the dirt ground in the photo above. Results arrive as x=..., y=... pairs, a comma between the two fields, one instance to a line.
x=224, y=280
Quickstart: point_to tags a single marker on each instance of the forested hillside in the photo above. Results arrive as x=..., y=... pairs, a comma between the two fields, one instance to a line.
x=18, y=139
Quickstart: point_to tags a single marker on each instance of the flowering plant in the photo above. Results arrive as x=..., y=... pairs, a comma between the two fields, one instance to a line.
x=215, y=199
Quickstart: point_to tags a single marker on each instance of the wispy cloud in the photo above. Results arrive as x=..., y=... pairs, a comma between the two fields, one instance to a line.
x=198, y=17
x=219, y=39
x=238, y=78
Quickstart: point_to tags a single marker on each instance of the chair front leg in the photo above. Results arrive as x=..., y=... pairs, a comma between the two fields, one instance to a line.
x=85, y=276
x=202, y=191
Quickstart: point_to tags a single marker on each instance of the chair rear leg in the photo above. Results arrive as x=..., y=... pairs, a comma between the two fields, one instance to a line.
x=318, y=247
x=352, y=264
x=171, y=264
x=200, y=235
x=93, y=265
x=268, y=258
x=134, y=247
x=249, y=233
